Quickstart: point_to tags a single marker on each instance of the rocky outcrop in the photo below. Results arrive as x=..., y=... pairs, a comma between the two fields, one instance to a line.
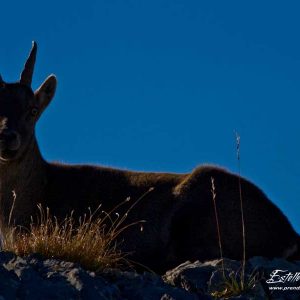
x=35, y=278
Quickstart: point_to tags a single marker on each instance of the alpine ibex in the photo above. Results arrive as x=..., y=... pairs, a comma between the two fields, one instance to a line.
x=179, y=213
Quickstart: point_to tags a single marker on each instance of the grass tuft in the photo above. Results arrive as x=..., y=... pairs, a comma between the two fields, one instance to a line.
x=90, y=240
x=233, y=285
x=88, y=244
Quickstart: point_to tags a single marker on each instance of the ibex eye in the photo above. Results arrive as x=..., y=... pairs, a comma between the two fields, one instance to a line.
x=34, y=111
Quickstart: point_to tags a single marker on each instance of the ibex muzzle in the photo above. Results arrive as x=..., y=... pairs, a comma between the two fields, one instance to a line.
x=179, y=212
x=10, y=143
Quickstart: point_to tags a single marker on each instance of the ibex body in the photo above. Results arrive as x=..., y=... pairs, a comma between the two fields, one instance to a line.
x=179, y=213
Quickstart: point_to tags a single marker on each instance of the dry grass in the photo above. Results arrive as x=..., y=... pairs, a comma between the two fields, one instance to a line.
x=88, y=244
x=89, y=241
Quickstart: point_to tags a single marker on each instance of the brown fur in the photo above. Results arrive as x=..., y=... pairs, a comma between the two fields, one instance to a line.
x=180, y=221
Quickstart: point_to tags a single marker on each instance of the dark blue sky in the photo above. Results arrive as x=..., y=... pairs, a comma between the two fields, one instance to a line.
x=163, y=85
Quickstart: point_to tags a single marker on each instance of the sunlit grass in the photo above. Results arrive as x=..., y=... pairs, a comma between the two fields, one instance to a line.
x=90, y=240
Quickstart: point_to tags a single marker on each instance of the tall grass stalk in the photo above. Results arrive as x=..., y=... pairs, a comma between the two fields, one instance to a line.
x=238, y=147
x=12, y=207
x=214, y=195
x=234, y=284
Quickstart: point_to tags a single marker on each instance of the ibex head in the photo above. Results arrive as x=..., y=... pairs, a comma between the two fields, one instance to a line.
x=20, y=108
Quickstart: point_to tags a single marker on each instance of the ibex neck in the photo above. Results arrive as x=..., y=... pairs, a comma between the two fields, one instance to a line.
x=28, y=164
x=24, y=177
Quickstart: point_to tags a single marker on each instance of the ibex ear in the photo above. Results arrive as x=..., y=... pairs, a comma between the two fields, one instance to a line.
x=45, y=92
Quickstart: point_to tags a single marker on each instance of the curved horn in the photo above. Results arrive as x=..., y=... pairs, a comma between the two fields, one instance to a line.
x=26, y=75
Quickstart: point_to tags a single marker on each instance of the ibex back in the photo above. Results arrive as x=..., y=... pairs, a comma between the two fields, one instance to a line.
x=179, y=212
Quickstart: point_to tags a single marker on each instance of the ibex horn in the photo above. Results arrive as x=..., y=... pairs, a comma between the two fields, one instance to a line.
x=26, y=75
